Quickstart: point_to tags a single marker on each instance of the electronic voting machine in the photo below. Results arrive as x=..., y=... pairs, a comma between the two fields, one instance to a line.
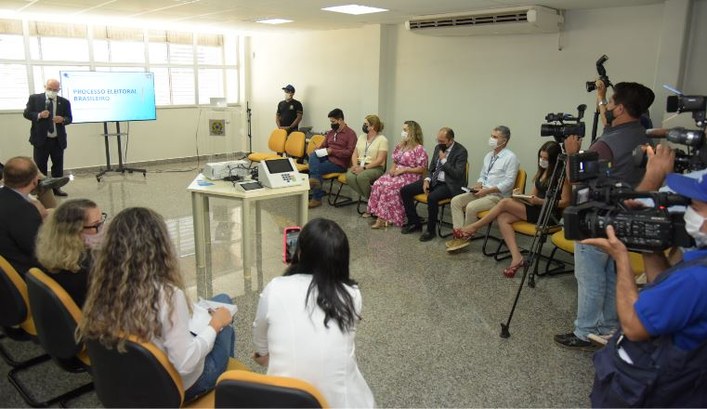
x=275, y=173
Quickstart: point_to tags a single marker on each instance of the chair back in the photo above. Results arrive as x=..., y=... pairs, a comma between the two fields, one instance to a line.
x=142, y=376
x=295, y=145
x=14, y=301
x=241, y=389
x=277, y=140
x=314, y=143
x=520, y=181
x=55, y=315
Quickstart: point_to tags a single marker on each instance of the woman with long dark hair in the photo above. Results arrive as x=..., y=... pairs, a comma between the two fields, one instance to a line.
x=306, y=320
x=509, y=210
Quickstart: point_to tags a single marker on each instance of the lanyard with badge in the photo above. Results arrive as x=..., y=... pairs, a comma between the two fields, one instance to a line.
x=493, y=160
x=365, y=151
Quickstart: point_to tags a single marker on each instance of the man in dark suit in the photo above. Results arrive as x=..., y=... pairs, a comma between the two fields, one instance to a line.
x=19, y=218
x=447, y=174
x=49, y=114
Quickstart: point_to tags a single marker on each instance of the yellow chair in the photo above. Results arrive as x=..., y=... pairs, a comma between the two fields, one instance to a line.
x=295, y=145
x=561, y=243
x=314, y=142
x=142, y=376
x=422, y=198
x=241, y=389
x=518, y=186
x=276, y=143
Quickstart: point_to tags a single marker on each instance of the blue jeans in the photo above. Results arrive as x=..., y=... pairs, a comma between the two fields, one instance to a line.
x=216, y=361
x=318, y=167
x=596, y=291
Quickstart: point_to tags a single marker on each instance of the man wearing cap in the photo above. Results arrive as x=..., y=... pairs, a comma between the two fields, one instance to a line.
x=660, y=354
x=289, y=112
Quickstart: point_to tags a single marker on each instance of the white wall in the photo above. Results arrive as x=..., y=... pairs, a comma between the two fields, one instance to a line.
x=175, y=134
x=468, y=83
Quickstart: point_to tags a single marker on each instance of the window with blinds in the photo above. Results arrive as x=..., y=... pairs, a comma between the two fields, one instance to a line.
x=190, y=68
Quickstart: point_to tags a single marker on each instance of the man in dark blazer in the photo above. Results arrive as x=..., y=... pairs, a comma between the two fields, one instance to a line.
x=447, y=174
x=19, y=218
x=49, y=114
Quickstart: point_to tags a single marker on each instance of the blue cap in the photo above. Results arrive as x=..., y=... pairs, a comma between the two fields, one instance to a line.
x=694, y=188
x=289, y=88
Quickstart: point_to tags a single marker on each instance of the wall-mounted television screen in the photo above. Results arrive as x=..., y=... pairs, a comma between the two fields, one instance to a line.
x=102, y=96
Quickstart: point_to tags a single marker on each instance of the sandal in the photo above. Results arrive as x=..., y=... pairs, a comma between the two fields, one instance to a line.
x=460, y=234
x=511, y=271
x=380, y=224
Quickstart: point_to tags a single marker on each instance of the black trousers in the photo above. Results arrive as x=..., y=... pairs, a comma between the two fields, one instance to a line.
x=438, y=192
x=51, y=149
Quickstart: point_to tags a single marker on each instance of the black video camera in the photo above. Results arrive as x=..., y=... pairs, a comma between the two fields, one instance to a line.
x=591, y=85
x=694, y=139
x=597, y=202
x=557, y=127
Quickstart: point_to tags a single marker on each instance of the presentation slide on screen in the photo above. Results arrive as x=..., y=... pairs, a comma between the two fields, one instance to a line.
x=109, y=96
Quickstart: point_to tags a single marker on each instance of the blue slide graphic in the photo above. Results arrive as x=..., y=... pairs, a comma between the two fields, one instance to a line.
x=109, y=96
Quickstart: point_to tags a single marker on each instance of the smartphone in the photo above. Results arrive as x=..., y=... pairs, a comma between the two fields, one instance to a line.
x=289, y=243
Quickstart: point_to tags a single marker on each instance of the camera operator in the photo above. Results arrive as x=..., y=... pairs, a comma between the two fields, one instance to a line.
x=659, y=358
x=594, y=270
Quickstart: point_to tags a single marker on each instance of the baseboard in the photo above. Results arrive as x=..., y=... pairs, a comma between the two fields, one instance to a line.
x=171, y=161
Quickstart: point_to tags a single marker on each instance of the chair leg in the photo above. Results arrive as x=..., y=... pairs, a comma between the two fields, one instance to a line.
x=22, y=390
x=441, y=222
x=359, y=203
x=8, y=358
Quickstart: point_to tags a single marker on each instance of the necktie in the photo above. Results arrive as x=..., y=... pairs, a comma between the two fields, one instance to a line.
x=50, y=108
x=435, y=174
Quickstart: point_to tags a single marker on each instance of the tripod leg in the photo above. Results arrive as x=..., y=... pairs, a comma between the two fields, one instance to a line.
x=505, y=328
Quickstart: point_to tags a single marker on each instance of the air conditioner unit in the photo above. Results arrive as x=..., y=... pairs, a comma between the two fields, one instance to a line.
x=517, y=20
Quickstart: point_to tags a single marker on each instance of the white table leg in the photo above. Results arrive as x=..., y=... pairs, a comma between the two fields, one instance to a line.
x=246, y=239
x=303, y=212
x=202, y=244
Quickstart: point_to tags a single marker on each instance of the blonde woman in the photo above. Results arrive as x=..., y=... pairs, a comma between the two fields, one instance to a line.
x=65, y=241
x=409, y=163
x=369, y=157
x=135, y=288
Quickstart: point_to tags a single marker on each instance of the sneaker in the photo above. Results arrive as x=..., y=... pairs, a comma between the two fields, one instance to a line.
x=457, y=244
x=314, y=203
x=571, y=341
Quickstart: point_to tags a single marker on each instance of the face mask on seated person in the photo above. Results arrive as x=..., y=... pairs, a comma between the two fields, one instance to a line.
x=543, y=163
x=693, y=224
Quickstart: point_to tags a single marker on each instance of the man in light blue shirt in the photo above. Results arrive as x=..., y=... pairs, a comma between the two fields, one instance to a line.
x=498, y=175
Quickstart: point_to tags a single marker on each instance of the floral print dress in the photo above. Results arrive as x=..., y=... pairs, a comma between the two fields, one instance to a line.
x=385, y=201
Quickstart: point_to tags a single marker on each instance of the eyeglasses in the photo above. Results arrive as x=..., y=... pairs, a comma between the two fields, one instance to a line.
x=98, y=225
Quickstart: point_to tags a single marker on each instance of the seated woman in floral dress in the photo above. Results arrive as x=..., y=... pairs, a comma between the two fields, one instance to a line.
x=409, y=164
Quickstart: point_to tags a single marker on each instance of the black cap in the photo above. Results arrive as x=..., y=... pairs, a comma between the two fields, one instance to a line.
x=289, y=88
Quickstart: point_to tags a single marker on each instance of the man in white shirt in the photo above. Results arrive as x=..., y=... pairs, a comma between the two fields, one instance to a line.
x=498, y=175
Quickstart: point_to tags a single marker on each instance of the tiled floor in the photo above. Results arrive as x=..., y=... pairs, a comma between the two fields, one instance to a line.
x=430, y=330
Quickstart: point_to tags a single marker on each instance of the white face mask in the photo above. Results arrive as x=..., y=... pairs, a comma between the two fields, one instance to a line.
x=693, y=224
x=93, y=241
x=543, y=163
x=493, y=143
x=51, y=94
x=404, y=135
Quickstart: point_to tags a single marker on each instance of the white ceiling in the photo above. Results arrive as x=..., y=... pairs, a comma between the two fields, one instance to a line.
x=241, y=14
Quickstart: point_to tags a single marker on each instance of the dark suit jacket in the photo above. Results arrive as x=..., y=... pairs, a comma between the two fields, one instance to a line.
x=38, y=133
x=19, y=224
x=454, y=169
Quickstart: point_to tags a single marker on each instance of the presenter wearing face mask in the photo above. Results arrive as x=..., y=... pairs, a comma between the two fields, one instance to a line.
x=65, y=244
x=661, y=344
x=369, y=158
x=49, y=114
x=289, y=111
x=496, y=180
x=447, y=172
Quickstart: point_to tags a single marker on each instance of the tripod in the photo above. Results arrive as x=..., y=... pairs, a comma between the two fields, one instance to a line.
x=541, y=231
x=249, y=113
x=122, y=169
